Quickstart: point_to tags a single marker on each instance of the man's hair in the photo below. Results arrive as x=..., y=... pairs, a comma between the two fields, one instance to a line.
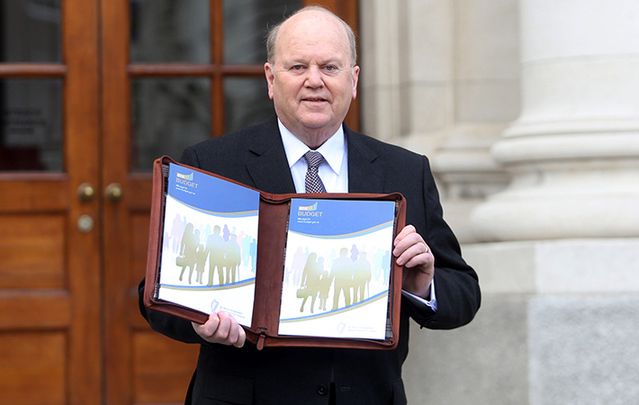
x=271, y=37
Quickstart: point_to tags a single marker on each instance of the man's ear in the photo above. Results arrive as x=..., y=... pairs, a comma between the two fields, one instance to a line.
x=270, y=77
x=355, y=78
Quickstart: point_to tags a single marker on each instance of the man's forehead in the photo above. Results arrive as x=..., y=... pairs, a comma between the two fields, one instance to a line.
x=318, y=50
x=313, y=26
x=301, y=37
x=316, y=16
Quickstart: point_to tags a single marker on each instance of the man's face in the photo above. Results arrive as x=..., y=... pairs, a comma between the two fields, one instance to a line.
x=311, y=80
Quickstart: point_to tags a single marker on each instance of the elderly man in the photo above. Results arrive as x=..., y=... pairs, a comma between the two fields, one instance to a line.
x=312, y=78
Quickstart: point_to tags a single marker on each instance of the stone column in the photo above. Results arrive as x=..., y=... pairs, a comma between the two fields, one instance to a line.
x=560, y=278
x=574, y=151
x=440, y=79
x=382, y=42
x=484, y=75
x=407, y=83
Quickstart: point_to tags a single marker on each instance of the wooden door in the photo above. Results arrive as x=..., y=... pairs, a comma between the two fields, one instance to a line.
x=50, y=318
x=90, y=92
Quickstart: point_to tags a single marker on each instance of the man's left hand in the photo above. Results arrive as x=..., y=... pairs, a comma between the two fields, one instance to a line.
x=413, y=253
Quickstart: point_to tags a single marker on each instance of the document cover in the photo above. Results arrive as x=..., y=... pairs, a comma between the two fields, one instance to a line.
x=209, y=249
x=337, y=268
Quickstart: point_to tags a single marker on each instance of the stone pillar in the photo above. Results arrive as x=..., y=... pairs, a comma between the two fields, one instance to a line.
x=439, y=79
x=484, y=66
x=381, y=41
x=407, y=71
x=559, y=280
x=574, y=151
x=560, y=276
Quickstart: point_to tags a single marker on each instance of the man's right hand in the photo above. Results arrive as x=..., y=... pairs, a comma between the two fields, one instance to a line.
x=221, y=328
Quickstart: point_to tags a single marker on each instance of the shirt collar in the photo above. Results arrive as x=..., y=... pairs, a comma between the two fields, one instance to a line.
x=333, y=150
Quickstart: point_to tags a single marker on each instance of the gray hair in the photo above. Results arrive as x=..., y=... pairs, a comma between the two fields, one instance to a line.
x=271, y=37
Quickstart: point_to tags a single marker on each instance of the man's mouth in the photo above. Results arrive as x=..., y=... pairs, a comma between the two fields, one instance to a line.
x=314, y=99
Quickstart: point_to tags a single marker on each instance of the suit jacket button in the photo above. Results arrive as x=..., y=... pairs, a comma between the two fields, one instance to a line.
x=322, y=390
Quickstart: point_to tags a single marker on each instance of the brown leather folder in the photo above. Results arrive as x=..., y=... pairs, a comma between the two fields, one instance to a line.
x=271, y=245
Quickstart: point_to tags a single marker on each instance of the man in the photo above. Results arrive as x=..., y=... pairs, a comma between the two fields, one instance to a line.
x=312, y=78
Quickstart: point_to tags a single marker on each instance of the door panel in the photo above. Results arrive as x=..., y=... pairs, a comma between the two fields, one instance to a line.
x=40, y=356
x=32, y=248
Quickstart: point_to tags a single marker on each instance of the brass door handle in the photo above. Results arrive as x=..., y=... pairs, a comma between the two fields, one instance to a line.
x=113, y=192
x=86, y=192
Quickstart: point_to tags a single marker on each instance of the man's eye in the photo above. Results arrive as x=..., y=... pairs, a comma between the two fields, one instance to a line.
x=331, y=68
x=297, y=67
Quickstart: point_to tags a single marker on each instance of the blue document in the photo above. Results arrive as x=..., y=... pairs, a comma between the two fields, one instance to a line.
x=337, y=268
x=209, y=246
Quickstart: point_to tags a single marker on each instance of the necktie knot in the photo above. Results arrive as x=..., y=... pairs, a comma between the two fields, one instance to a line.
x=313, y=158
x=313, y=183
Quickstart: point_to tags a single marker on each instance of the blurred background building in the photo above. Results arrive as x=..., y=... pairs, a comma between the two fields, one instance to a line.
x=528, y=110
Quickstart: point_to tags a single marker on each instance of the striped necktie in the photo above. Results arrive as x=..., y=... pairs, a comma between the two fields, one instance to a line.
x=313, y=182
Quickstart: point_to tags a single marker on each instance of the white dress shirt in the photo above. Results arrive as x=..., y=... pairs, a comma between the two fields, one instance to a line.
x=333, y=170
x=334, y=174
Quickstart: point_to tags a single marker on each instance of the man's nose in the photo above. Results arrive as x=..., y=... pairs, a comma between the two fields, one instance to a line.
x=314, y=77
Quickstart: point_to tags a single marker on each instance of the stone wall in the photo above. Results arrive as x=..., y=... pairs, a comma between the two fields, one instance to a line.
x=529, y=111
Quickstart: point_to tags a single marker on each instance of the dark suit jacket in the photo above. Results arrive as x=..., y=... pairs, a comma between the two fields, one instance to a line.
x=282, y=376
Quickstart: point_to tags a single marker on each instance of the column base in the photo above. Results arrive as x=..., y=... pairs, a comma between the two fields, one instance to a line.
x=557, y=326
x=570, y=180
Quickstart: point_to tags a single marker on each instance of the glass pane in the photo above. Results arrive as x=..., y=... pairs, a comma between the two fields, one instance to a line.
x=31, y=124
x=170, y=31
x=168, y=115
x=245, y=26
x=30, y=31
x=246, y=102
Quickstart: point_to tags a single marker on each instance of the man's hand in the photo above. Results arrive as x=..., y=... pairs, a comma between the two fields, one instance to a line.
x=414, y=254
x=221, y=328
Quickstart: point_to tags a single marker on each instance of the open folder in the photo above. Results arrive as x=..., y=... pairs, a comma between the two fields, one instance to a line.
x=293, y=269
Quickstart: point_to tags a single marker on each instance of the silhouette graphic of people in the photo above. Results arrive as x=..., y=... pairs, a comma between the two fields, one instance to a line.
x=188, y=250
x=201, y=255
x=310, y=281
x=215, y=250
x=299, y=258
x=342, y=273
x=361, y=277
x=324, y=283
x=177, y=229
x=233, y=258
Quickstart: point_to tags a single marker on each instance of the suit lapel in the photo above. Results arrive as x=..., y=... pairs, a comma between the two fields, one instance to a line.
x=365, y=174
x=267, y=164
x=268, y=167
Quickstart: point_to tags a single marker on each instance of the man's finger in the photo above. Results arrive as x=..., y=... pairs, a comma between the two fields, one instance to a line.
x=208, y=328
x=423, y=262
x=234, y=333
x=408, y=243
x=241, y=339
x=412, y=252
x=223, y=328
x=407, y=230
